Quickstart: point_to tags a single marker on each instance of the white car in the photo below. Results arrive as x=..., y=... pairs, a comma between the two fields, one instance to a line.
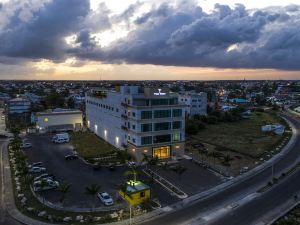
x=37, y=169
x=44, y=176
x=26, y=145
x=105, y=198
x=49, y=184
x=37, y=164
x=61, y=140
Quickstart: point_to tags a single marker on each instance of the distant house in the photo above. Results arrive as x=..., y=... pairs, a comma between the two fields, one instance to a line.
x=239, y=101
x=195, y=103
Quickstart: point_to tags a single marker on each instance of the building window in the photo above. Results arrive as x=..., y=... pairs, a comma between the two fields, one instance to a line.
x=160, y=102
x=162, y=126
x=133, y=114
x=162, y=138
x=176, y=137
x=142, y=194
x=177, y=112
x=46, y=119
x=147, y=140
x=176, y=124
x=133, y=126
x=146, y=127
x=162, y=113
x=133, y=140
x=146, y=115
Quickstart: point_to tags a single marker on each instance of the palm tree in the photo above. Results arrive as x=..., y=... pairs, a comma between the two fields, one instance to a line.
x=214, y=155
x=146, y=159
x=132, y=173
x=92, y=190
x=42, y=186
x=226, y=162
x=64, y=188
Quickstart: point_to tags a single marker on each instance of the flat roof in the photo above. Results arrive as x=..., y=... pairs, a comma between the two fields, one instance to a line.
x=58, y=113
x=136, y=186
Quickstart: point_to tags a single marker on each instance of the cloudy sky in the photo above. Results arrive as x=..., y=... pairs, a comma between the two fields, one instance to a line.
x=149, y=39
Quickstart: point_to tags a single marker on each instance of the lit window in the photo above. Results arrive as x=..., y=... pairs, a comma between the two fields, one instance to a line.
x=45, y=119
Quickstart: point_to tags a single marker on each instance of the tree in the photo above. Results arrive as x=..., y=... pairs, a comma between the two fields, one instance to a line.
x=54, y=100
x=214, y=155
x=64, y=188
x=92, y=190
x=132, y=173
x=191, y=128
x=71, y=103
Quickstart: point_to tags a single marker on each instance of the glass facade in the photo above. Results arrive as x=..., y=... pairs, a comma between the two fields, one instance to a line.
x=147, y=140
x=162, y=152
x=176, y=137
x=162, y=113
x=146, y=114
x=162, y=126
x=176, y=124
x=162, y=138
x=146, y=127
x=177, y=112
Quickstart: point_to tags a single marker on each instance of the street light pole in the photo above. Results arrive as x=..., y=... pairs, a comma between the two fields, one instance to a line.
x=272, y=168
x=130, y=214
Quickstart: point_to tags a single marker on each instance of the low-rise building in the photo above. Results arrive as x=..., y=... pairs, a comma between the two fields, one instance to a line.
x=195, y=103
x=59, y=120
x=18, y=106
x=144, y=120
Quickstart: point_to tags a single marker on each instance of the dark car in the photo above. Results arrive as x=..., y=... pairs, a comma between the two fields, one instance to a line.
x=96, y=167
x=71, y=157
x=112, y=168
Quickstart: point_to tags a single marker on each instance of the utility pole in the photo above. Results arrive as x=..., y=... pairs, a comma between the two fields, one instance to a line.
x=272, y=168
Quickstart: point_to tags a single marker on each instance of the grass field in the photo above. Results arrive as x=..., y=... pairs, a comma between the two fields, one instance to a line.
x=243, y=136
x=88, y=145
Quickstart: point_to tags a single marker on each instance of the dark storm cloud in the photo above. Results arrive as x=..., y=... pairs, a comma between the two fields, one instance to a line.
x=225, y=38
x=180, y=34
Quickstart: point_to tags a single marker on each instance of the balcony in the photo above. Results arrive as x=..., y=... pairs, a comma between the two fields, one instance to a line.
x=124, y=127
x=124, y=104
x=124, y=116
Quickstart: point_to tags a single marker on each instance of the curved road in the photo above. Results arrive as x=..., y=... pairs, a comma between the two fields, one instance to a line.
x=248, y=213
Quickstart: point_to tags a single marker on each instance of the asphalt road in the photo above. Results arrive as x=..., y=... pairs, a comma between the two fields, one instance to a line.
x=247, y=213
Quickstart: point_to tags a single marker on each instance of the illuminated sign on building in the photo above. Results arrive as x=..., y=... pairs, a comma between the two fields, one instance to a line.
x=159, y=93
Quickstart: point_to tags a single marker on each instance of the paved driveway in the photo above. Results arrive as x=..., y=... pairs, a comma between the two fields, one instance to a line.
x=74, y=172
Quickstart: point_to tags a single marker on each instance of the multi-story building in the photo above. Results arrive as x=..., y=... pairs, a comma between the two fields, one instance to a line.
x=144, y=120
x=18, y=105
x=195, y=103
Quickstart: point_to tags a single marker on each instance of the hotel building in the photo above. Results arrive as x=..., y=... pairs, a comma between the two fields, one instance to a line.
x=142, y=120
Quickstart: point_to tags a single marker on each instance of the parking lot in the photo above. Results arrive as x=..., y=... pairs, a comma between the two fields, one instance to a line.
x=80, y=175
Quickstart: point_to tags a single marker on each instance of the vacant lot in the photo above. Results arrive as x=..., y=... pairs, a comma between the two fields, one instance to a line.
x=88, y=145
x=243, y=136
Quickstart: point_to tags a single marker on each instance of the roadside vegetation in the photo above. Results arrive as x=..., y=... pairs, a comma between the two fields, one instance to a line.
x=232, y=140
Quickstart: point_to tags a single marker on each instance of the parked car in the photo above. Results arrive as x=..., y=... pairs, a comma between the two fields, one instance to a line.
x=71, y=157
x=49, y=184
x=37, y=169
x=105, y=198
x=96, y=166
x=61, y=140
x=26, y=145
x=112, y=168
x=39, y=164
x=43, y=176
x=131, y=164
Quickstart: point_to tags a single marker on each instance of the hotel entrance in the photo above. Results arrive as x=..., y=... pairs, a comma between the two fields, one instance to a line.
x=162, y=152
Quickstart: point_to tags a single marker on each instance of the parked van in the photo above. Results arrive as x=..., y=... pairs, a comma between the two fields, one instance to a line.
x=61, y=138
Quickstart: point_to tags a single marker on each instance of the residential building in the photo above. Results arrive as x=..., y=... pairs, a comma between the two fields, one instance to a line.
x=195, y=103
x=18, y=106
x=58, y=120
x=144, y=120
